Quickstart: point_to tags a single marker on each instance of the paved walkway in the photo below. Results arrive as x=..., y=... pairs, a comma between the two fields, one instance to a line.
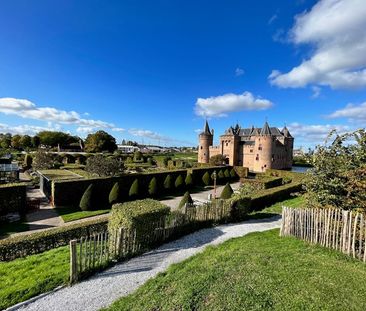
x=104, y=288
x=202, y=196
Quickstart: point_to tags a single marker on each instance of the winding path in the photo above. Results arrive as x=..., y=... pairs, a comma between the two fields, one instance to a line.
x=104, y=288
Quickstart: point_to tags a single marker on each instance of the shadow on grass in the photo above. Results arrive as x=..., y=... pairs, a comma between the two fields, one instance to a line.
x=6, y=229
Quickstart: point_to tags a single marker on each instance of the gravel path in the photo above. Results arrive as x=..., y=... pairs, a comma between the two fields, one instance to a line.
x=105, y=287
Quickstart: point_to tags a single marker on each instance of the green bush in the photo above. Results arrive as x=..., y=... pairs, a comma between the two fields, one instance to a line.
x=86, y=202
x=226, y=192
x=114, y=195
x=142, y=215
x=206, y=179
x=13, y=199
x=187, y=199
x=153, y=187
x=189, y=180
x=233, y=174
x=38, y=242
x=179, y=182
x=220, y=176
x=28, y=161
x=134, y=190
x=227, y=174
x=241, y=171
x=168, y=182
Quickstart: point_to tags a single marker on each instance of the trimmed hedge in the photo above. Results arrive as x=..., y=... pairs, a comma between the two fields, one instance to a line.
x=227, y=192
x=263, y=182
x=86, y=202
x=13, y=199
x=38, y=242
x=142, y=215
x=187, y=199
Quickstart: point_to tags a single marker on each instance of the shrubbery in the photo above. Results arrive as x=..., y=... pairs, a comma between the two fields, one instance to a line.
x=168, y=183
x=179, y=183
x=13, y=199
x=189, y=180
x=206, y=179
x=134, y=190
x=153, y=187
x=114, y=195
x=226, y=192
x=87, y=202
x=187, y=199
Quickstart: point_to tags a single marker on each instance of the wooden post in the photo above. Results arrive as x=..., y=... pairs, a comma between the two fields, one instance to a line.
x=73, y=262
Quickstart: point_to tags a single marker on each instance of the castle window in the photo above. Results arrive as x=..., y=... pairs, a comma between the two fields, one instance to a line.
x=257, y=157
x=201, y=147
x=260, y=147
x=251, y=150
x=227, y=144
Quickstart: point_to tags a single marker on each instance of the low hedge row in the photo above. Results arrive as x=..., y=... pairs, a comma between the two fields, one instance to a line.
x=38, y=242
x=69, y=192
x=265, y=182
x=13, y=199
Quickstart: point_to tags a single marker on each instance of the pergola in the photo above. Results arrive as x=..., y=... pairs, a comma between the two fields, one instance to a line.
x=9, y=173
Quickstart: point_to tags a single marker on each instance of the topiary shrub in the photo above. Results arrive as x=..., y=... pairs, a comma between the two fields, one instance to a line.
x=153, y=187
x=206, y=179
x=86, y=202
x=233, y=174
x=220, y=176
x=189, y=180
x=114, y=194
x=134, y=190
x=179, y=182
x=227, y=174
x=187, y=199
x=168, y=183
x=226, y=192
x=28, y=161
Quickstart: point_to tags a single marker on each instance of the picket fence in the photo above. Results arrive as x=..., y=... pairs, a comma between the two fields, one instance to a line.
x=98, y=251
x=334, y=228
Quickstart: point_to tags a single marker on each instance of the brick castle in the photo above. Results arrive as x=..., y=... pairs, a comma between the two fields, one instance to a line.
x=256, y=148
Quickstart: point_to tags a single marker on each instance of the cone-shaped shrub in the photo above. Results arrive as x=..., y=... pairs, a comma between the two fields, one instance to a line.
x=233, y=173
x=179, y=182
x=220, y=175
x=227, y=174
x=226, y=192
x=206, y=179
x=189, y=180
x=168, y=182
x=86, y=202
x=114, y=194
x=153, y=187
x=186, y=199
x=134, y=190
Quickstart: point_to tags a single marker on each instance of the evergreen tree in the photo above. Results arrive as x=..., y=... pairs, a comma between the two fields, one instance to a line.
x=206, y=179
x=153, y=187
x=226, y=192
x=134, y=190
x=187, y=199
x=114, y=194
x=86, y=202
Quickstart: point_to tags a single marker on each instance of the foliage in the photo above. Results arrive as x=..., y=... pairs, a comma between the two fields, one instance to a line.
x=134, y=190
x=13, y=199
x=15, y=141
x=5, y=140
x=26, y=141
x=114, y=195
x=153, y=187
x=43, y=160
x=187, y=199
x=100, y=141
x=168, y=182
x=241, y=171
x=220, y=175
x=338, y=177
x=206, y=179
x=226, y=192
x=227, y=174
x=86, y=202
x=217, y=160
x=103, y=166
x=53, y=139
x=179, y=182
x=28, y=160
x=36, y=141
x=260, y=271
x=189, y=180
x=233, y=173
x=138, y=157
x=40, y=241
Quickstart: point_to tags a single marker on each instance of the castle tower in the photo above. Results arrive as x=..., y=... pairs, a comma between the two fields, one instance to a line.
x=289, y=146
x=263, y=149
x=205, y=141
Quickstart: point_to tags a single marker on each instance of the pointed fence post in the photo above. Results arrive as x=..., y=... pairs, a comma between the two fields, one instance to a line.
x=73, y=262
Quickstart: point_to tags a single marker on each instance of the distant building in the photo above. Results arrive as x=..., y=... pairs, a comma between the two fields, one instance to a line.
x=298, y=153
x=127, y=148
x=258, y=149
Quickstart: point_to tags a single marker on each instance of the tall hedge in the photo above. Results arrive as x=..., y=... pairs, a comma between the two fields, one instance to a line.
x=227, y=192
x=153, y=187
x=13, y=199
x=114, y=195
x=206, y=179
x=179, y=182
x=189, y=180
x=134, y=190
x=168, y=182
x=86, y=202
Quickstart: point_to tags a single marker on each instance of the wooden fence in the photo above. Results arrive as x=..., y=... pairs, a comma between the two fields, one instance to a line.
x=334, y=228
x=98, y=251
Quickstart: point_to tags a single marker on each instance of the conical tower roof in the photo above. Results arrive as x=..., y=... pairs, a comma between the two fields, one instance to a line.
x=286, y=132
x=266, y=129
x=206, y=129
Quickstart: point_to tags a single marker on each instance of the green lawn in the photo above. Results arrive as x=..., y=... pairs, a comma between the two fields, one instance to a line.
x=58, y=174
x=260, y=271
x=72, y=213
x=27, y=277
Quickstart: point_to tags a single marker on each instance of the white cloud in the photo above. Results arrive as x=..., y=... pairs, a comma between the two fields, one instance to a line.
x=239, y=72
x=25, y=129
x=148, y=134
x=336, y=29
x=272, y=19
x=316, y=91
x=26, y=109
x=219, y=106
x=352, y=112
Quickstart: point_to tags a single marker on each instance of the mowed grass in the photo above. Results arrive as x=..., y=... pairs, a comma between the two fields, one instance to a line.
x=260, y=271
x=69, y=213
x=27, y=277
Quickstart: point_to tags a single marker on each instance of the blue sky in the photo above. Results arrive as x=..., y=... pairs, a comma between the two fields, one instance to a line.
x=152, y=71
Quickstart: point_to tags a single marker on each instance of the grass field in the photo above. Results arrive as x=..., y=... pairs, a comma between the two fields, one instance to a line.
x=72, y=213
x=260, y=271
x=59, y=174
x=27, y=277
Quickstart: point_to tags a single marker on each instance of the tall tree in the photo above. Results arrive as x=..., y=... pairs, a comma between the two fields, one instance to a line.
x=100, y=141
x=26, y=141
x=16, y=141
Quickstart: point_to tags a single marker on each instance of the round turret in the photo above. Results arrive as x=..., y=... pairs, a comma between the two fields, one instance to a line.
x=205, y=141
x=263, y=150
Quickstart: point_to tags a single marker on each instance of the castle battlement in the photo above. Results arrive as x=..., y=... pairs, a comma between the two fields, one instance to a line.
x=258, y=149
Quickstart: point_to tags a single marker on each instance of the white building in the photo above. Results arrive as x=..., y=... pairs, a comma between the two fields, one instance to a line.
x=127, y=148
